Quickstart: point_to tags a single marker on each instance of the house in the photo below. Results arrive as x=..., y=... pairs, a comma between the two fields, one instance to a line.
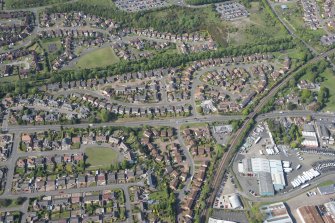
x=26, y=138
x=111, y=178
x=76, y=140
x=113, y=141
x=121, y=178
x=91, y=199
x=130, y=176
x=101, y=179
x=66, y=144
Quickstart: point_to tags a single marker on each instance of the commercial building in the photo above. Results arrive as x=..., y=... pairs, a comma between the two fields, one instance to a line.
x=265, y=184
x=269, y=172
x=310, y=138
x=260, y=165
x=213, y=220
x=309, y=214
x=235, y=202
x=330, y=212
x=276, y=213
x=277, y=174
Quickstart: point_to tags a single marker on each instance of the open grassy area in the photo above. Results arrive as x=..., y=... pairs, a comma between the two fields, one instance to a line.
x=53, y=47
x=101, y=157
x=98, y=58
x=256, y=27
x=329, y=80
x=9, y=79
x=326, y=183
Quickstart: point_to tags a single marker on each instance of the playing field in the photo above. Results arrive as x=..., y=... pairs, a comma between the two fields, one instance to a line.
x=98, y=58
x=101, y=157
x=329, y=80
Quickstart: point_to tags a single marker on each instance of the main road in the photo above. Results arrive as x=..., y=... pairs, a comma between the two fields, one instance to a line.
x=173, y=122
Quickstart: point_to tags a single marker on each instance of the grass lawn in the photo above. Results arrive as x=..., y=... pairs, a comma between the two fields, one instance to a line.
x=101, y=157
x=329, y=80
x=326, y=183
x=98, y=58
x=9, y=79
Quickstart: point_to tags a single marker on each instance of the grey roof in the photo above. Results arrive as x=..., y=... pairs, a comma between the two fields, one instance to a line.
x=330, y=189
x=265, y=184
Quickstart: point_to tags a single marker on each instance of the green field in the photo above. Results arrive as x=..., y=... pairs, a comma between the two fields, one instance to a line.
x=329, y=80
x=98, y=58
x=101, y=157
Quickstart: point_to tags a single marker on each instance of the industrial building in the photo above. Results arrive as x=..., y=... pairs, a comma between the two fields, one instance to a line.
x=213, y=220
x=269, y=172
x=277, y=174
x=310, y=137
x=265, y=184
x=276, y=213
x=325, y=135
x=309, y=214
x=235, y=202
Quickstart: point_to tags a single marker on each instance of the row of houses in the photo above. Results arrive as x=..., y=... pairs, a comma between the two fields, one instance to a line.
x=6, y=146
x=75, y=33
x=20, y=53
x=83, y=180
x=190, y=200
x=168, y=36
x=75, y=19
x=133, y=111
x=310, y=8
x=12, y=34
x=73, y=203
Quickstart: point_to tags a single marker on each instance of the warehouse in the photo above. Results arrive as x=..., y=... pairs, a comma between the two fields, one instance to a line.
x=260, y=165
x=265, y=184
x=277, y=174
x=213, y=220
x=270, y=174
x=276, y=213
x=310, y=138
x=309, y=214
x=235, y=202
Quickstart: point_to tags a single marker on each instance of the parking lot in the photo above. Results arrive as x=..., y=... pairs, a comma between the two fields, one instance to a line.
x=303, y=199
x=138, y=5
x=231, y=10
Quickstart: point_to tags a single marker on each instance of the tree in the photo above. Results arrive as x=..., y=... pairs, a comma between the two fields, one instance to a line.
x=291, y=106
x=306, y=95
x=104, y=115
x=124, y=164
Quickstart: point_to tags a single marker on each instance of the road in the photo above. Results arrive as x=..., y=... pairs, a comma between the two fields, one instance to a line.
x=190, y=161
x=174, y=122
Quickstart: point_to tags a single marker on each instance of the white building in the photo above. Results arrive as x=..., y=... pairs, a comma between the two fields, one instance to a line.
x=276, y=213
x=277, y=174
x=213, y=220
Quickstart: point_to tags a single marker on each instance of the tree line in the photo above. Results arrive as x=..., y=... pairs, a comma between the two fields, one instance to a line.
x=19, y=4
x=159, y=61
x=203, y=2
